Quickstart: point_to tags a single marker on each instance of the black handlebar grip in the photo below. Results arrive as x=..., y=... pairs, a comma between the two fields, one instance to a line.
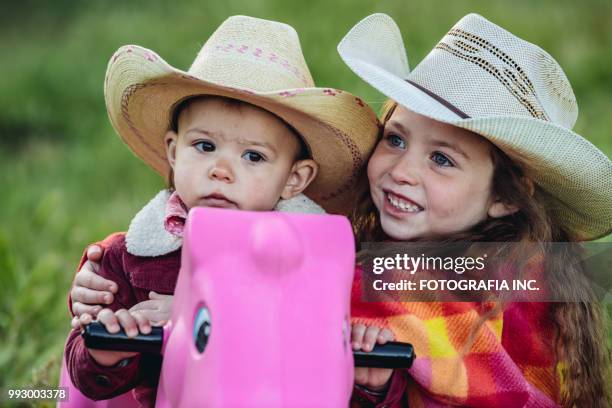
x=389, y=355
x=96, y=336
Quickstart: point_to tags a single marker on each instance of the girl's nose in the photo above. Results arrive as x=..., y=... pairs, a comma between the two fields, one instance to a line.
x=405, y=170
x=221, y=170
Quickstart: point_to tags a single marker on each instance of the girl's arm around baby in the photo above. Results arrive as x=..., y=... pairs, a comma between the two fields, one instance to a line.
x=106, y=375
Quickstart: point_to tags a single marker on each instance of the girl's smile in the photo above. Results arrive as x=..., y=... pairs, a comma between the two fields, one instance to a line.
x=398, y=205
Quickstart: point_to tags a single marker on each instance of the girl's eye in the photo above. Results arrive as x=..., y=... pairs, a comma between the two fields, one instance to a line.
x=252, y=156
x=441, y=160
x=396, y=141
x=205, y=146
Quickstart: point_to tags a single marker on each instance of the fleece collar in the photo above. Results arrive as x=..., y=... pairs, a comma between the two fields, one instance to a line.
x=147, y=235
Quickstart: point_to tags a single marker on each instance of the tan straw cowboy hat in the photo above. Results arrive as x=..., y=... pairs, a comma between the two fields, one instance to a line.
x=482, y=78
x=259, y=62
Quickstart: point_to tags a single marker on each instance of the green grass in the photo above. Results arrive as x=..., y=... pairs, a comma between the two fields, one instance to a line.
x=67, y=180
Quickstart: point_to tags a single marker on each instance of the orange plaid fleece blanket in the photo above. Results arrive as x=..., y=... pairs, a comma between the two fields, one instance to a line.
x=510, y=362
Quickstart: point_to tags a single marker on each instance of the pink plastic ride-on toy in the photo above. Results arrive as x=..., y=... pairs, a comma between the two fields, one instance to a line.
x=260, y=316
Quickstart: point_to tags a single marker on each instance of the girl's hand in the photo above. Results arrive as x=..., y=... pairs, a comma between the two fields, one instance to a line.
x=364, y=338
x=132, y=323
x=157, y=310
x=90, y=290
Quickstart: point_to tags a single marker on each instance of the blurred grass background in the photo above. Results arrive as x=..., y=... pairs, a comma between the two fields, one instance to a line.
x=67, y=180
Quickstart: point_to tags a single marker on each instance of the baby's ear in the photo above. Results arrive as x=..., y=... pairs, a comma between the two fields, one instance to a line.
x=302, y=174
x=170, y=140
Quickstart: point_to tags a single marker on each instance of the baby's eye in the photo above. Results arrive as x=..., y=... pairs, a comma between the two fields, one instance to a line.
x=441, y=160
x=204, y=146
x=253, y=156
x=396, y=141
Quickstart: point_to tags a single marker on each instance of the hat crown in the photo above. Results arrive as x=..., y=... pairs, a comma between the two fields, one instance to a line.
x=253, y=54
x=484, y=70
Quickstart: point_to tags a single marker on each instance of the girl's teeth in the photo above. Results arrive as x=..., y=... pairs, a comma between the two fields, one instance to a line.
x=402, y=205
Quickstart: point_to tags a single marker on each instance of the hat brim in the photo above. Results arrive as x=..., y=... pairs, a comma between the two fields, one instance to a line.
x=340, y=131
x=573, y=172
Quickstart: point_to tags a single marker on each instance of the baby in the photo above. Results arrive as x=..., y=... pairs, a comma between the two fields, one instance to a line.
x=243, y=129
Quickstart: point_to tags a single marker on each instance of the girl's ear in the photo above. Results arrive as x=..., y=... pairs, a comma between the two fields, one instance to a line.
x=170, y=140
x=302, y=174
x=499, y=209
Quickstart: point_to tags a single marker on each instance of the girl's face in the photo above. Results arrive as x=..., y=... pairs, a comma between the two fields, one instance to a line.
x=235, y=157
x=429, y=179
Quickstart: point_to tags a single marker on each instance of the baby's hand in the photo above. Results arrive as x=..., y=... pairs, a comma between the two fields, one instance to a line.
x=364, y=338
x=157, y=310
x=132, y=322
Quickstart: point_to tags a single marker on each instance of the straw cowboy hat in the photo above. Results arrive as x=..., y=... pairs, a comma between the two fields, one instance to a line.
x=482, y=78
x=259, y=62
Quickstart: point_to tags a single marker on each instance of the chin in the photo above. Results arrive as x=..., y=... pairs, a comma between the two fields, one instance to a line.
x=398, y=231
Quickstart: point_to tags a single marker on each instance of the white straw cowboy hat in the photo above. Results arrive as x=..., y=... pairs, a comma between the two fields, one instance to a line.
x=259, y=62
x=482, y=78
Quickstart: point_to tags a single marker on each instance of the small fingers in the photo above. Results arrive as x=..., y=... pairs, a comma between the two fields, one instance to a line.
x=128, y=322
x=80, y=321
x=357, y=332
x=384, y=336
x=75, y=323
x=144, y=325
x=84, y=319
x=369, y=338
x=109, y=320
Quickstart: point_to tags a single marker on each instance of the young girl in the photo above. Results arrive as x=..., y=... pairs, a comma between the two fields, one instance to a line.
x=477, y=146
x=243, y=129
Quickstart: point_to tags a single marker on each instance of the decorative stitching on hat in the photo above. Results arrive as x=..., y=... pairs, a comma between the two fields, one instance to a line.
x=259, y=53
x=292, y=93
x=513, y=79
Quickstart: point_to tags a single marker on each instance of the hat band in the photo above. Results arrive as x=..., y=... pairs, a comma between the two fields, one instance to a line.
x=441, y=100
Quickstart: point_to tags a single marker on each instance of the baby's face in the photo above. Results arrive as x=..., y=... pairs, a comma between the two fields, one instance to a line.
x=231, y=157
x=429, y=179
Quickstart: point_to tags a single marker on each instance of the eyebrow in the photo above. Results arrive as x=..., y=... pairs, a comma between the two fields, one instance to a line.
x=254, y=143
x=241, y=141
x=433, y=142
x=452, y=146
x=204, y=132
x=399, y=126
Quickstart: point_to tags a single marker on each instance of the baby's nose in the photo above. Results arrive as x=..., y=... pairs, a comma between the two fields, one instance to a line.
x=221, y=171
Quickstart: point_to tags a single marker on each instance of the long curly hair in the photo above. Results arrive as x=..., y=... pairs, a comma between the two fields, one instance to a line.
x=580, y=343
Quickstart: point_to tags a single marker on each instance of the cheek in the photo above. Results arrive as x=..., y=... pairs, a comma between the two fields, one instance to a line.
x=261, y=191
x=377, y=165
x=457, y=201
